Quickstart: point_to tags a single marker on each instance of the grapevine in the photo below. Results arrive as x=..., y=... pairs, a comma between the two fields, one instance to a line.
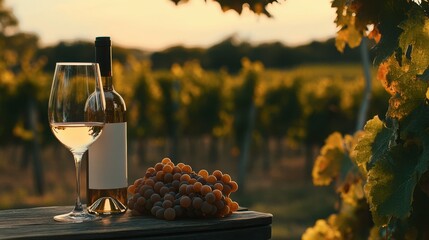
x=168, y=191
x=391, y=154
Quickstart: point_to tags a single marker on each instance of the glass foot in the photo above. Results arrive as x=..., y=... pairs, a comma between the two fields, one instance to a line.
x=76, y=217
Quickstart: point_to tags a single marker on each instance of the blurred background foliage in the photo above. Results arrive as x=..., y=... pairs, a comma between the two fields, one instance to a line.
x=204, y=106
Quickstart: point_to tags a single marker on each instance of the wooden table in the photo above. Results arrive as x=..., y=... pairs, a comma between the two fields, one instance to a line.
x=37, y=223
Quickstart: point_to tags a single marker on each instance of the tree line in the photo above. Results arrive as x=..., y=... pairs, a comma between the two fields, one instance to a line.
x=225, y=55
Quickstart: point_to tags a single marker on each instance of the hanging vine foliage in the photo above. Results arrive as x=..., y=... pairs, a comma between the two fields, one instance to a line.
x=256, y=6
x=390, y=158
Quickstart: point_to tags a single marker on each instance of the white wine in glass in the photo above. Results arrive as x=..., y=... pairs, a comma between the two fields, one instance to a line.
x=76, y=113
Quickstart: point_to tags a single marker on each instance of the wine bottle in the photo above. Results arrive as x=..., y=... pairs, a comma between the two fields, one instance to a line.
x=107, y=179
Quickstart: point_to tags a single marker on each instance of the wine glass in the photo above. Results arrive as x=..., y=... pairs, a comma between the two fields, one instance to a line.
x=76, y=114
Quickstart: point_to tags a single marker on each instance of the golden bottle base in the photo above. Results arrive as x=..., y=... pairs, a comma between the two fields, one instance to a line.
x=107, y=206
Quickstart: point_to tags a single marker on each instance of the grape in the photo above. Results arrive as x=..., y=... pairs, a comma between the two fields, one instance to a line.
x=210, y=197
x=226, y=210
x=166, y=160
x=170, y=197
x=177, y=169
x=135, y=197
x=150, y=170
x=185, y=201
x=130, y=204
x=192, y=181
x=206, y=207
x=168, y=177
x=168, y=191
x=148, y=205
x=220, y=204
x=234, y=186
x=160, y=213
x=149, y=182
x=167, y=169
x=148, y=193
x=144, y=188
x=176, y=185
x=164, y=190
x=197, y=202
x=159, y=175
x=187, y=169
x=226, y=189
x=234, y=206
x=218, y=194
x=177, y=176
x=218, y=174
x=179, y=210
x=155, y=197
x=226, y=178
x=205, y=189
x=147, y=175
x=169, y=214
x=158, y=186
x=131, y=189
x=197, y=186
x=185, y=177
x=183, y=188
x=159, y=166
x=218, y=186
x=159, y=204
x=211, y=179
x=180, y=165
x=203, y=173
x=155, y=209
x=189, y=189
x=214, y=210
x=167, y=204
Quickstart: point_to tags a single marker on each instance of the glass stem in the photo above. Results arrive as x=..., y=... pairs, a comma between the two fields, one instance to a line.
x=77, y=163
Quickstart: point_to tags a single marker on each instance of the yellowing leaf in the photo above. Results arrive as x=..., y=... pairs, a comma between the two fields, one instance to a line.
x=323, y=230
x=408, y=91
x=352, y=189
x=328, y=164
x=373, y=144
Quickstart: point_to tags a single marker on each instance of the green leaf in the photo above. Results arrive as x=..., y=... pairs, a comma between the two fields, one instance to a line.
x=393, y=179
x=390, y=15
x=391, y=183
x=416, y=124
x=374, y=143
x=414, y=40
x=407, y=77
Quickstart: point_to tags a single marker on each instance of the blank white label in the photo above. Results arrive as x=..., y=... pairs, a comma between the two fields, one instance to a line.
x=107, y=158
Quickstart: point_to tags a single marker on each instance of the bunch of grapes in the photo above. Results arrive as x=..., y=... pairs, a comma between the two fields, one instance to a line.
x=169, y=191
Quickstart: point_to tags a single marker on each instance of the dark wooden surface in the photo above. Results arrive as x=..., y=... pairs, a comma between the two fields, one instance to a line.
x=38, y=223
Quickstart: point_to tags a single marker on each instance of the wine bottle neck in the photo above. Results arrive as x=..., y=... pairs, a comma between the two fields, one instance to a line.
x=107, y=83
x=103, y=56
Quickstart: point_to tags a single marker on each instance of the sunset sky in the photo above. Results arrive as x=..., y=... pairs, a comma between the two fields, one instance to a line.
x=157, y=24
